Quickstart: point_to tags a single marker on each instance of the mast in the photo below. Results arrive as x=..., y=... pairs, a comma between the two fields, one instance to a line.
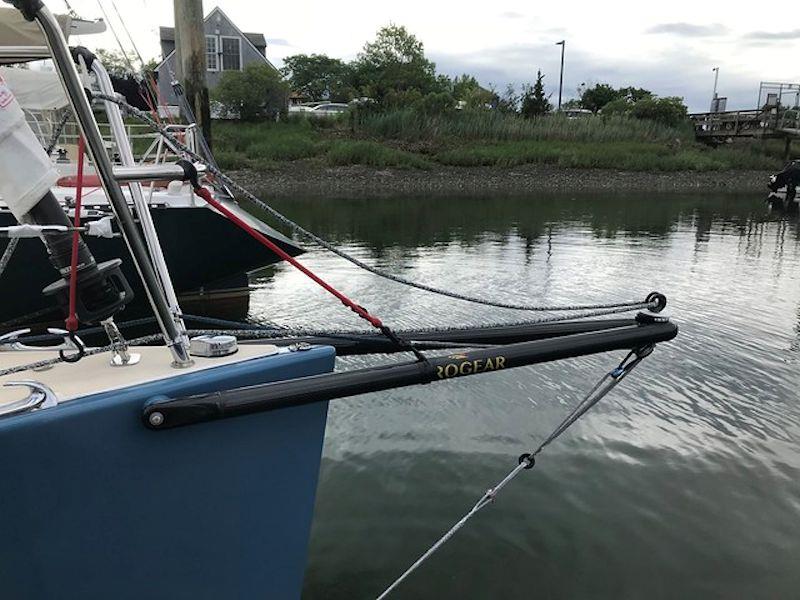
x=190, y=53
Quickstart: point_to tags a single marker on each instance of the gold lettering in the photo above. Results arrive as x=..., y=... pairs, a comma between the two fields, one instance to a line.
x=489, y=364
x=501, y=362
x=440, y=372
x=450, y=370
x=465, y=368
x=477, y=365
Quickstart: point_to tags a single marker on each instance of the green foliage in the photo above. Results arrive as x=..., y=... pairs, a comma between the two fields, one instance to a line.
x=395, y=62
x=508, y=102
x=629, y=156
x=115, y=63
x=257, y=92
x=669, y=111
x=618, y=107
x=534, y=101
x=321, y=78
x=118, y=65
x=470, y=138
x=440, y=103
x=597, y=97
x=397, y=99
x=347, y=152
x=493, y=125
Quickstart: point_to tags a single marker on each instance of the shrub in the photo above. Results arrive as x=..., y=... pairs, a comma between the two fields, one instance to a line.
x=257, y=92
x=435, y=104
x=669, y=111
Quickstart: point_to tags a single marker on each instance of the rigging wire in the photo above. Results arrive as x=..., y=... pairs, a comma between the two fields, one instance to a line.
x=116, y=37
x=146, y=77
x=650, y=302
x=527, y=460
x=127, y=59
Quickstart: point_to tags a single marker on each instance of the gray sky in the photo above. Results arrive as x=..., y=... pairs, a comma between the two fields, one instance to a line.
x=668, y=47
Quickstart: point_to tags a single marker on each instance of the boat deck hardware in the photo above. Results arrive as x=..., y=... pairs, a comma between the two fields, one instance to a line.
x=40, y=396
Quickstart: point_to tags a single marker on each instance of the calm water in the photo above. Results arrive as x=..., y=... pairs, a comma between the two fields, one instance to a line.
x=684, y=483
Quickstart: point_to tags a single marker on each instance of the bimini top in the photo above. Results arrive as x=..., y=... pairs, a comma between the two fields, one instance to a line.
x=15, y=31
x=35, y=90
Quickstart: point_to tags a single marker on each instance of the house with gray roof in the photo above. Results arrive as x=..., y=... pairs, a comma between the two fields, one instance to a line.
x=228, y=48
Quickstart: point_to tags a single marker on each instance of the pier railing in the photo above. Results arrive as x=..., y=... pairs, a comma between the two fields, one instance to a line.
x=773, y=122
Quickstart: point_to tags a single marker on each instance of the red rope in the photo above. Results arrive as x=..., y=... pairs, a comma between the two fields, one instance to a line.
x=72, y=318
x=205, y=194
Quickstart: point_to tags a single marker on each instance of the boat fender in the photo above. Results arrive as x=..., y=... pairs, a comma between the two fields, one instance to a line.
x=26, y=172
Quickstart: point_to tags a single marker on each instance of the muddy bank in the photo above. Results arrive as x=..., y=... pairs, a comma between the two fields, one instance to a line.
x=313, y=180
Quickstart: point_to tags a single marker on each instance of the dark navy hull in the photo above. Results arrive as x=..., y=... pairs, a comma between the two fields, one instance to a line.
x=204, y=251
x=96, y=506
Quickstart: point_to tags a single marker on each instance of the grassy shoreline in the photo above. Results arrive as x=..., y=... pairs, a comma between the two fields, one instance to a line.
x=406, y=140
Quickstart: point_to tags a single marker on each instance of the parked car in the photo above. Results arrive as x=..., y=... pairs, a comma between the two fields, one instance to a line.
x=326, y=109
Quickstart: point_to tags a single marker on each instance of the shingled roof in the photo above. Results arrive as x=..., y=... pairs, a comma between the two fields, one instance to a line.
x=258, y=40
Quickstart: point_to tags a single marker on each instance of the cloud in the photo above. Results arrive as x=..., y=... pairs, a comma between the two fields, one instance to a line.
x=689, y=29
x=677, y=71
x=794, y=34
x=278, y=42
x=510, y=14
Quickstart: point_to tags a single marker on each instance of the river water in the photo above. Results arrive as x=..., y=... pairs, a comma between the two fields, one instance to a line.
x=683, y=483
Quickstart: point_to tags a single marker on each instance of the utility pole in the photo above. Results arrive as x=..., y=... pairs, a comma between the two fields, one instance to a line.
x=563, y=44
x=190, y=54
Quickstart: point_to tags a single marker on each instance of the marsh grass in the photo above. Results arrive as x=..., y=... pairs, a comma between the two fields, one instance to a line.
x=411, y=125
x=407, y=139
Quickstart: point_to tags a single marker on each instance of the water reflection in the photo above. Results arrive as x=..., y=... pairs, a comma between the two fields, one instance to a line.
x=685, y=484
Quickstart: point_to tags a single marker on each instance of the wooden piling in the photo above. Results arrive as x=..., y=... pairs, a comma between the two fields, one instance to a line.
x=190, y=52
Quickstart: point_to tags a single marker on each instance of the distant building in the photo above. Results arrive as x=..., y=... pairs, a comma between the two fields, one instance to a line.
x=228, y=48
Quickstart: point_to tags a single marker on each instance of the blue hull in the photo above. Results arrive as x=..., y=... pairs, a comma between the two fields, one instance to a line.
x=94, y=505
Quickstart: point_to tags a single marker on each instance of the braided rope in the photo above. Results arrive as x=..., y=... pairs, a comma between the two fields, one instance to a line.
x=297, y=228
x=7, y=254
x=50, y=362
x=57, y=133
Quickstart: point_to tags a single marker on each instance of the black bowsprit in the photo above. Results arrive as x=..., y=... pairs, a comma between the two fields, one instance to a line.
x=321, y=388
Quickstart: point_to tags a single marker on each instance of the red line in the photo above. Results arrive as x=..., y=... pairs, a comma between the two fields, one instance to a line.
x=72, y=318
x=205, y=194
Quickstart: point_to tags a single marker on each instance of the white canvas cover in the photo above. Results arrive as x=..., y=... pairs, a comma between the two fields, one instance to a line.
x=26, y=172
x=35, y=90
x=16, y=31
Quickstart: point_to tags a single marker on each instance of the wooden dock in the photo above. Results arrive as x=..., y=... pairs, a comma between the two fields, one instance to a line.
x=721, y=127
x=778, y=118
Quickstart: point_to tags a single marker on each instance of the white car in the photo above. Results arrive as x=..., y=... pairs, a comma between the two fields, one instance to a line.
x=327, y=109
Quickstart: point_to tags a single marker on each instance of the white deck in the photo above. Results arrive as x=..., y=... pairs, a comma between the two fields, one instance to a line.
x=93, y=374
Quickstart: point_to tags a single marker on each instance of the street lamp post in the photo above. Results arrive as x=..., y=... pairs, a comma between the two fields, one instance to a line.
x=714, y=103
x=563, y=44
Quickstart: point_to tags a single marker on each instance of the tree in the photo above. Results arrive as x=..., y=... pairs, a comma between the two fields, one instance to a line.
x=534, y=100
x=634, y=94
x=395, y=61
x=320, y=77
x=618, y=107
x=597, y=97
x=257, y=92
x=116, y=63
x=508, y=102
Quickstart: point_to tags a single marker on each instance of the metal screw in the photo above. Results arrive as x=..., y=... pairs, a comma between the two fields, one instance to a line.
x=156, y=419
